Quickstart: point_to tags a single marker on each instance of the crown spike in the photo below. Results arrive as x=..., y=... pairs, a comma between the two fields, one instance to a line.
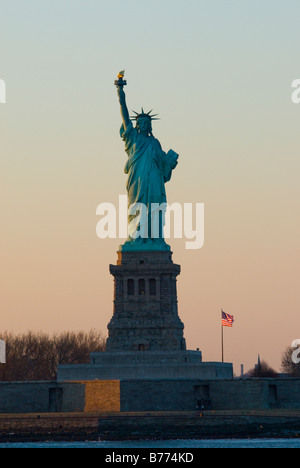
x=148, y=115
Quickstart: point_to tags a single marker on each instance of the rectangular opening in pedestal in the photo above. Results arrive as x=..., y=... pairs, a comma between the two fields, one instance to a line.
x=152, y=287
x=130, y=287
x=142, y=287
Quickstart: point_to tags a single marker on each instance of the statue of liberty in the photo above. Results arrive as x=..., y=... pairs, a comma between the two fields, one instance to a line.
x=148, y=169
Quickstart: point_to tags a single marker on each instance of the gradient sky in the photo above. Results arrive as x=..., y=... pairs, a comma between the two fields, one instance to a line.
x=219, y=73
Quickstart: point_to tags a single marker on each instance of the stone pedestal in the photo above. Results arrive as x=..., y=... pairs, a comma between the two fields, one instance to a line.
x=146, y=365
x=145, y=304
x=145, y=334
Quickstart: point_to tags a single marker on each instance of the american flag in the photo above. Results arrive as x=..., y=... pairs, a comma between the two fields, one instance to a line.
x=227, y=320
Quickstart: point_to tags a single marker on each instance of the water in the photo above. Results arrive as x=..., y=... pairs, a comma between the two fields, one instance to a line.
x=166, y=444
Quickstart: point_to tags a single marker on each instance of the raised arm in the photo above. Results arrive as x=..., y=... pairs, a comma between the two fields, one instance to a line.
x=124, y=109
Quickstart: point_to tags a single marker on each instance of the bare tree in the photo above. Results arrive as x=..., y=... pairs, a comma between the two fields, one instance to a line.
x=287, y=364
x=262, y=369
x=36, y=355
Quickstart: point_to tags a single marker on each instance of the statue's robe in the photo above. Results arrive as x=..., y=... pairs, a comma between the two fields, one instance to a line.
x=148, y=168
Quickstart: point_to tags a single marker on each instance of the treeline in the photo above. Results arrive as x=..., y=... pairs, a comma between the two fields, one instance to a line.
x=262, y=369
x=290, y=366
x=36, y=355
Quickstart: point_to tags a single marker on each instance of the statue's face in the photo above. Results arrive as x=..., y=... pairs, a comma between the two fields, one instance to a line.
x=144, y=125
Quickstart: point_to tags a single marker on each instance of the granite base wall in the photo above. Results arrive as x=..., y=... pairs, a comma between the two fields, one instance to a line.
x=66, y=397
x=148, y=395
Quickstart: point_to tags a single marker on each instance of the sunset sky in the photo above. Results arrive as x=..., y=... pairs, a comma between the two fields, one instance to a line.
x=219, y=74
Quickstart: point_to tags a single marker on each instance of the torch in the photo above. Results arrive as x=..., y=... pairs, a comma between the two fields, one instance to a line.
x=120, y=82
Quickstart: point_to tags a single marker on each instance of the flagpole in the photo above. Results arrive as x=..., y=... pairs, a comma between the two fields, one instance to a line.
x=227, y=321
x=222, y=343
x=222, y=330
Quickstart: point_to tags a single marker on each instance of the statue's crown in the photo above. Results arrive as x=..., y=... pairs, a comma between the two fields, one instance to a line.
x=143, y=114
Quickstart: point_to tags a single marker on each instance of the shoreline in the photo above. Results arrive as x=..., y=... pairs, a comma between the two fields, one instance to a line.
x=210, y=425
